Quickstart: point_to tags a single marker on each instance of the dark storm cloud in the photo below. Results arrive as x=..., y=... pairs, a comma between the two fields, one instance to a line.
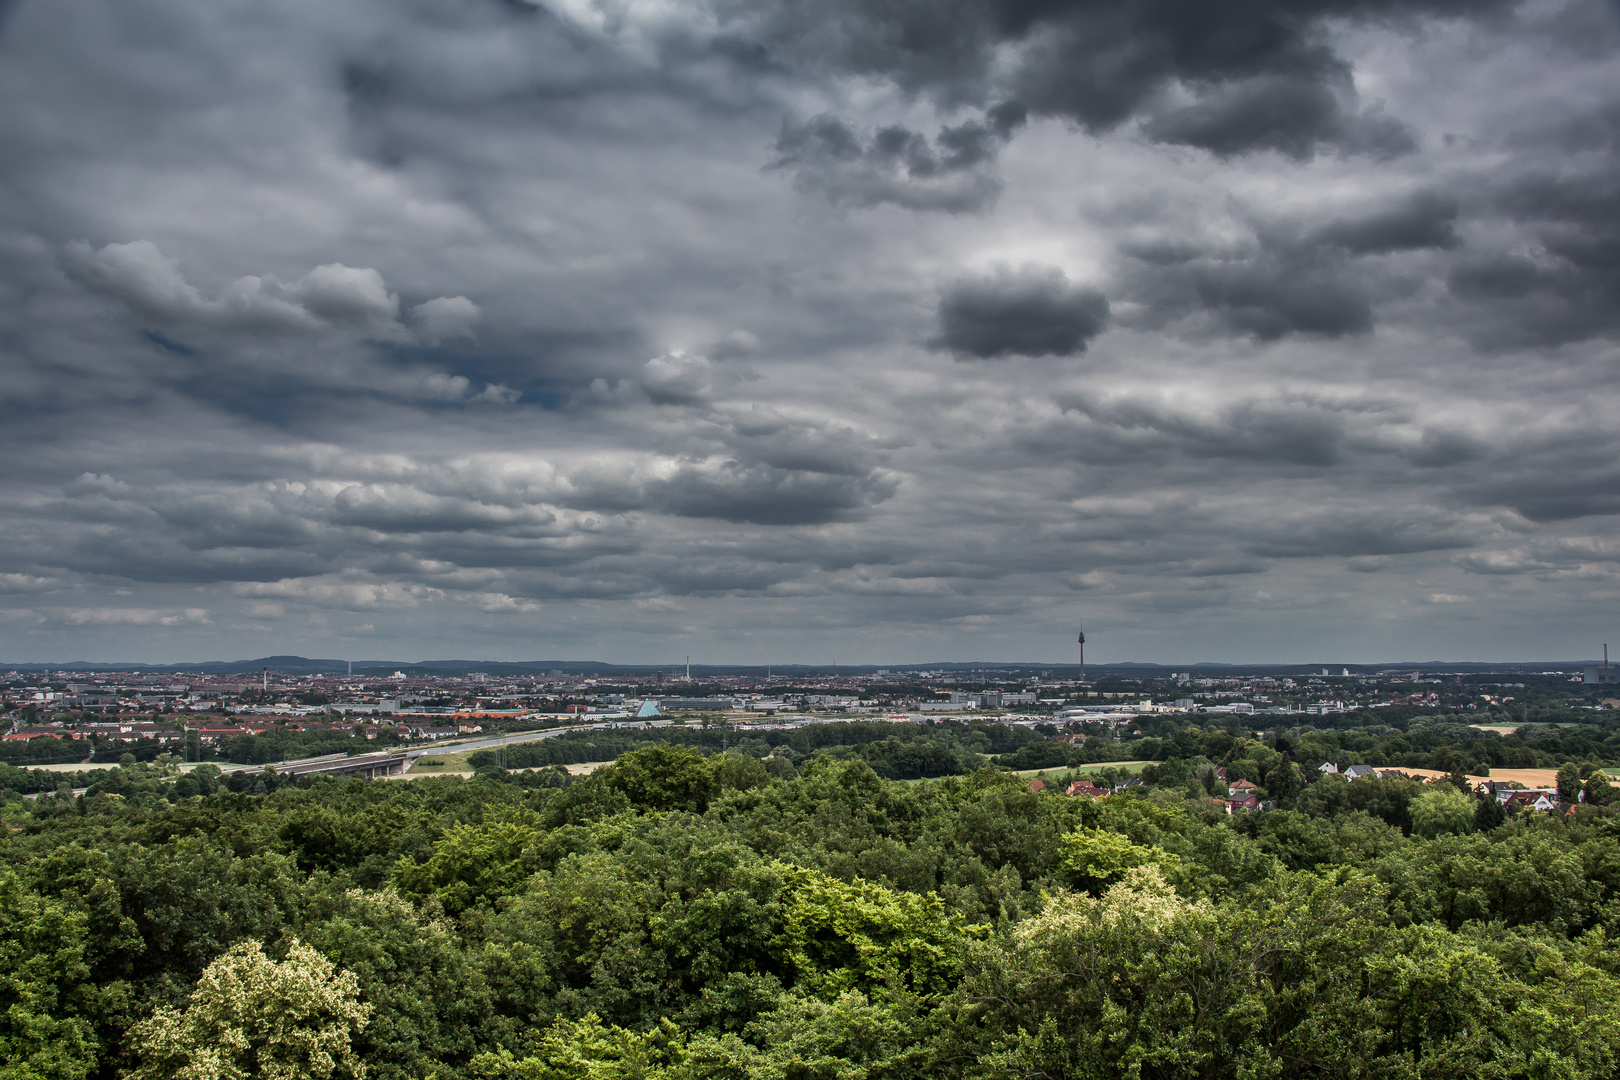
x=767, y=436
x=1426, y=220
x=348, y=345
x=1032, y=311
x=897, y=165
x=1273, y=297
x=1260, y=73
x=737, y=490
x=1439, y=449
x=763, y=495
x=1561, y=286
x=1560, y=477
x=764, y=468
x=1271, y=290
x=1360, y=535
x=1293, y=114
x=1292, y=279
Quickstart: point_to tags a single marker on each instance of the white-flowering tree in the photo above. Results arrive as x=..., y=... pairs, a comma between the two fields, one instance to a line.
x=253, y=1018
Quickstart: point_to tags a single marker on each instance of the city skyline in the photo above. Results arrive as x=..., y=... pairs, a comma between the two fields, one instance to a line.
x=377, y=666
x=1238, y=332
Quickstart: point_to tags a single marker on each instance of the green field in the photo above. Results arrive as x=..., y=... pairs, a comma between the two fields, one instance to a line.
x=1096, y=767
x=445, y=763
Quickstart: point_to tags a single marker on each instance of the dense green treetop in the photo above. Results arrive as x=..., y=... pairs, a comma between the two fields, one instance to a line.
x=792, y=913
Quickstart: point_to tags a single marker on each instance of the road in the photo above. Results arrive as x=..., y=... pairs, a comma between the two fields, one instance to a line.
x=527, y=736
x=341, y=762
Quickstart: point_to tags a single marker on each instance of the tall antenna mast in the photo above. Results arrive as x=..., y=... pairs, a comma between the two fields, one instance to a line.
x=1082, y=652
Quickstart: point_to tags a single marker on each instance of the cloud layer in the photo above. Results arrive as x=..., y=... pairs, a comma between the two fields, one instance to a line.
x=772, y=330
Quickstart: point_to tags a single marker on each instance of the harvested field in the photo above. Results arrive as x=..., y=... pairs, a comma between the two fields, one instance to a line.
x=1537, y=778
x=1530, y=778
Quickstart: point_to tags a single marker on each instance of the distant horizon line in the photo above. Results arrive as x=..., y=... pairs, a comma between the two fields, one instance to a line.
x=680, y=665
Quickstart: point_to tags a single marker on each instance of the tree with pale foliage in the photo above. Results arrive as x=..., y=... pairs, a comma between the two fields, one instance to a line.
x=252, y=1017
x=1097, y=857
x=1441, y=810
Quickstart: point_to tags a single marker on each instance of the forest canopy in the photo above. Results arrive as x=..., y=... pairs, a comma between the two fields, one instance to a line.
x=798, y=914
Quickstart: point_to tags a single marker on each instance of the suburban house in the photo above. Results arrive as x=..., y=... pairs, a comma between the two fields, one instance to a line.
x=1087, y=788
x=1535, y=798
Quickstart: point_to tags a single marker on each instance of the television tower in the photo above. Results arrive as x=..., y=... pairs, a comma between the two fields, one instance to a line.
x=1082, y=653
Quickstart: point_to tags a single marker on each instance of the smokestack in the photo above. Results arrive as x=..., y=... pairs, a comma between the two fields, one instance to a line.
x=266, y=680
x=688, y=669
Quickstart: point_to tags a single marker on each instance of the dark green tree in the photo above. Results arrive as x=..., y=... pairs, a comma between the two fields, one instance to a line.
x=1283, y=782
x=1569, y=782
x=1488, y=814
x=664, y=778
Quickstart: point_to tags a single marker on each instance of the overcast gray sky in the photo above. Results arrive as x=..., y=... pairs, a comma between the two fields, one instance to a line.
x=768, y=330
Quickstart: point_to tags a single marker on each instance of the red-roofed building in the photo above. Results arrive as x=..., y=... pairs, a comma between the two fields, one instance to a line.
x=24, y=734
x=215, y=732
x=1086, y=788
